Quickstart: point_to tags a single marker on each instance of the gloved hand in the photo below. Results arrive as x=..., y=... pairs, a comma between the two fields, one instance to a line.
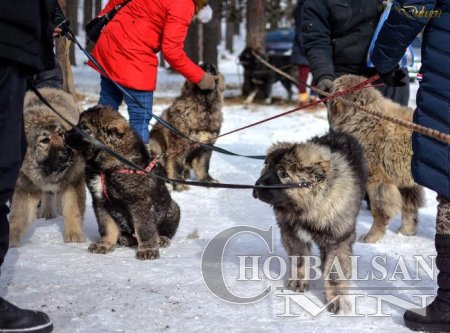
x=393, y=78
x=325, y=85
x=208, y=82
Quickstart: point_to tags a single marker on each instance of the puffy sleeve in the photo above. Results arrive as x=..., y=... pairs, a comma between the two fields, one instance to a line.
x=178, y=18
x=398, y=31
x=316, y=39
x=110, y=5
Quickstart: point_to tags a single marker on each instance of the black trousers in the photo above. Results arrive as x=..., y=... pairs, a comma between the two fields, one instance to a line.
x=12, y=140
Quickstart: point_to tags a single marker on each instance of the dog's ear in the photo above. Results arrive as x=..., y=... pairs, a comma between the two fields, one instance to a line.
x=187, y=88
x=116, y=129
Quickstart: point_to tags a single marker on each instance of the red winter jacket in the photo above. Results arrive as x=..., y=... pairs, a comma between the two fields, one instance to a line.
x=128, y=45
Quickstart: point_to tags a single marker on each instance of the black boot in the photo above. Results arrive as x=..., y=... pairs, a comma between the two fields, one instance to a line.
x=15, y=320
x=436, y=316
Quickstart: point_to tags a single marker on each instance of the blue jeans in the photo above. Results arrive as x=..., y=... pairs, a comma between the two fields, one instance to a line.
x=139, y=117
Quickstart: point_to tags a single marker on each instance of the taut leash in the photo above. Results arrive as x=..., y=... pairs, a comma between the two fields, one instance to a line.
x=432, y=133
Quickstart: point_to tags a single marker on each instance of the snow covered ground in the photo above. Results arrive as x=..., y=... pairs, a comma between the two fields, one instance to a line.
x=84, y=292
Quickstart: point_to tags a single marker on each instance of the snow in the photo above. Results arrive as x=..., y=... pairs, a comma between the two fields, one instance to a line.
x=84, y=292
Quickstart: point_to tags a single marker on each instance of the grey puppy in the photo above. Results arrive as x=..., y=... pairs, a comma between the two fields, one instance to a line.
x=130, y=207
x=51, y=172
x=325, y=213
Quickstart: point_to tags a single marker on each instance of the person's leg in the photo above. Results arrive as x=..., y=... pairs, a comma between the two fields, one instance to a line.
x=303, y=71
x=12, y=146
x=436, y=316
x=110, y=95
x=139, y=117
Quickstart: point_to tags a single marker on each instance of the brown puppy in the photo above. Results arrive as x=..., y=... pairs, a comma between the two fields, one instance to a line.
x=51, y=172
x=388, y=151
x=197, y=114
x=325, y=213
x=130, y=207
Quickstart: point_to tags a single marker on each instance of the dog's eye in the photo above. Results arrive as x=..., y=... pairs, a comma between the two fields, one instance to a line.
x=45, y=141
x=283, y=174
x=319, y=177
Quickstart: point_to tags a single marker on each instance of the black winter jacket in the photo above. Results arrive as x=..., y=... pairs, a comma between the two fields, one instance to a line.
x=337, y=35
x=26, y=28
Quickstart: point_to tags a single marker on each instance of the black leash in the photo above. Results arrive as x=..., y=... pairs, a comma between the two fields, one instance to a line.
x=67, y=32
x=103, y=147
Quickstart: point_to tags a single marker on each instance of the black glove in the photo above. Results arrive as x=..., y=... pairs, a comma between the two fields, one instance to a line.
x=393, y=78
x=325, y=85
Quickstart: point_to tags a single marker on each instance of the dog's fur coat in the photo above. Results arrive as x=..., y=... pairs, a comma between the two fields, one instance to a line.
x=51, y=171
x=388, y=151
x=325, y=214
x=130, y=208
x=197, y=114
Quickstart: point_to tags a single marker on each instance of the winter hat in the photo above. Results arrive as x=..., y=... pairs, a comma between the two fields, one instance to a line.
x=205, y=14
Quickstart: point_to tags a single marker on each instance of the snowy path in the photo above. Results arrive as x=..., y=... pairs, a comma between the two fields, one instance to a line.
x=83, y=292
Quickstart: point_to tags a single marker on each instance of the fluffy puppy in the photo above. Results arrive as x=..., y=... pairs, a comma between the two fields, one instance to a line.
x=325, y=212
x=388, y=151
x=130, y=207
x=197, y=114
x=51, y=171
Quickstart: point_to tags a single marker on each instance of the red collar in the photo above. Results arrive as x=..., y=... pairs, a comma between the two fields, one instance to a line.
x=149, y=167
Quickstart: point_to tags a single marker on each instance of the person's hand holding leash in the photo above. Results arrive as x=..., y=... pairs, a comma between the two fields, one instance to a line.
x=208, y=82
x=393, y=78
x=325, y=85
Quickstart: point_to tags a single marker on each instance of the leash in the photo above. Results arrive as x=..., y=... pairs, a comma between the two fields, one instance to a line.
x=67, y=32
x=144, y=172
x=432, y=133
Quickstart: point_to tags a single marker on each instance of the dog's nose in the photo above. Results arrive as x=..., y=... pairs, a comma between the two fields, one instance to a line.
x=210, y=68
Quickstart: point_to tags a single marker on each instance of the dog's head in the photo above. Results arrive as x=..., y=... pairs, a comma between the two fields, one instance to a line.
x=365, y=96
x=107, y=126
x=248, y=60
x=190, y=89
x=46, y=143
x=293, y=163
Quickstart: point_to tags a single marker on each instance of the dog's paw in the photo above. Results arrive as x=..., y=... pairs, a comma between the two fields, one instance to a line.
x=298, y=286
x=99, y=248
x=147, y=254
x=180, y=187
x=126, y=241
x=14, y=242
x=407, y=231
x=73, y=237
x=369, y=238
x=164, y=241
x=340, y=306
x=209, y=179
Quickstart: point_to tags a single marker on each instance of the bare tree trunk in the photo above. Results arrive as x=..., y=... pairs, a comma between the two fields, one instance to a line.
x=72, y=14
x=256, y=24
x=88, y=11
x=191, y=45
x=255, y=40
x=98, y=6
x=211, y=33
x=230, y=27
x=62, y=58
x=237, y=21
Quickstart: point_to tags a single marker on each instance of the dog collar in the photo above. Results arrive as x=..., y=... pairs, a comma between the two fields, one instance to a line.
x=149, y=168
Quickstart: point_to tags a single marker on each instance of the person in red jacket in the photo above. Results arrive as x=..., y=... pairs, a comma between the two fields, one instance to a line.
x=127, y=50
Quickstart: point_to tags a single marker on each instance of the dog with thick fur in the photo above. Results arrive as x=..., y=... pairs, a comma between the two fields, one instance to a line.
x=388, y=151
x=130, y=207
x=51, y=171
x=259, y=79
x=197, y=114
x=324, y=213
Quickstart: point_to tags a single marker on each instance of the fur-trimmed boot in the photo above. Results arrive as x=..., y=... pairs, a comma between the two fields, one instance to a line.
x=436, y=316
